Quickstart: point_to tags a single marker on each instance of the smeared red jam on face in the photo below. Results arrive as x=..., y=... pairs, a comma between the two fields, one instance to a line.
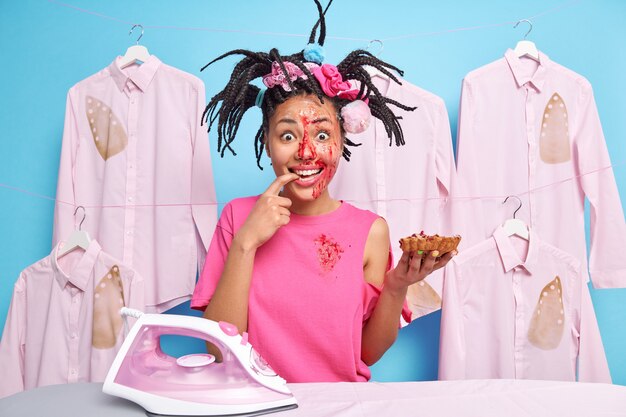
x=304, y=137
x=306, y=149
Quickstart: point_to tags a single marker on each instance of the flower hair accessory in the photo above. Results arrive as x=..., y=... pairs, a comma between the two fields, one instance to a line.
x=277, y=76
x=332, y=82
x=314, y=53
x=356, y=115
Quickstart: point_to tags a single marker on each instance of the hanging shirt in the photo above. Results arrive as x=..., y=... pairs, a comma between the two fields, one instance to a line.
x=135, y=156
x=308, y=298
x=518, y=309
x=531, y=129
x=407, y=185
x=63, y=324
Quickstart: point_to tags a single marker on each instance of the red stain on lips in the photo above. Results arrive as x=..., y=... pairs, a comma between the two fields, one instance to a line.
x=328, y=252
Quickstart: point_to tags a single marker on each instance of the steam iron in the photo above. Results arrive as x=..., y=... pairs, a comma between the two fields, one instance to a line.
x=243, y=384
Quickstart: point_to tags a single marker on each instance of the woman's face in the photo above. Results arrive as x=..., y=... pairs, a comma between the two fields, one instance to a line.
x=304, y=137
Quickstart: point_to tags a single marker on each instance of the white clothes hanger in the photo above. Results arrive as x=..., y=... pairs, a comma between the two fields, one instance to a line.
x=374, y=72
x=525, y=47
x=78, y=239
x=515, y=226
x=135, y=53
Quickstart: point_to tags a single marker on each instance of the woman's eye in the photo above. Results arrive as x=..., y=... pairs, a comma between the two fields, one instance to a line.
x=287, y=137
x=323, y=136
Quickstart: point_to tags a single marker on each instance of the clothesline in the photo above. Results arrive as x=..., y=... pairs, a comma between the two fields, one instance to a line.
x=469, y=198
x=555, y=9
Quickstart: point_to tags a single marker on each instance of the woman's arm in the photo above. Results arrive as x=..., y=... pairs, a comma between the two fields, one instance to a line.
x=230, y=300
x=381, y=330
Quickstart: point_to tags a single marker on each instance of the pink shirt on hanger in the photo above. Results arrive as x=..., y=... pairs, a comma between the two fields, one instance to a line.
x=407, y=185
x=518, y=309
x=531, y=129
x=136, y=157
x=63, y=324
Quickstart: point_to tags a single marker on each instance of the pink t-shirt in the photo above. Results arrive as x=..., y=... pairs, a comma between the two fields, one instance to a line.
x=308, y=298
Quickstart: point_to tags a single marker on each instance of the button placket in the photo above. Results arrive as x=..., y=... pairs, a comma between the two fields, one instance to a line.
x=519, y=333
x=131, y=173
x=532, y=151
x=73, y=326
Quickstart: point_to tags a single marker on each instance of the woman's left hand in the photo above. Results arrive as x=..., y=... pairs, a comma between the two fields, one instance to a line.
x=414, y=267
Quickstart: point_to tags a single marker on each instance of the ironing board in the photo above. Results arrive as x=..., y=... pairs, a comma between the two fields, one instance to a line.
x=482, y=398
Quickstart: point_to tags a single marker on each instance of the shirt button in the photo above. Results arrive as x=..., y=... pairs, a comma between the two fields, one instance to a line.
x=130, y=199
x=73, y=336
x=72, y=372
x=74, y=300
x=129, y=232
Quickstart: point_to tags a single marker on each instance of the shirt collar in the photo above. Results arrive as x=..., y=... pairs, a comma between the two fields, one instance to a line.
x=142, y=76
x=509, y=256
x=80, y=275
x=521, y=74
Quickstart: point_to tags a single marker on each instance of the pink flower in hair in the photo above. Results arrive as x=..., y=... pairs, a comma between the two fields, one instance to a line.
x=277, y=76
x=331, y=81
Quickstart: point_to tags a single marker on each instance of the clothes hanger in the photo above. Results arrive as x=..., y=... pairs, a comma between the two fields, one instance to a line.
x=78, y=239
x=525, y=47
x=136, y=52
x=374, y=72
x=515, y=226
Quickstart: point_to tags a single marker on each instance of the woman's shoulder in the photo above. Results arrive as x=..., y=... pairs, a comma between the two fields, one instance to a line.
x=237, y=210
x=240, y=205
x=243, y=202
x=360, y=213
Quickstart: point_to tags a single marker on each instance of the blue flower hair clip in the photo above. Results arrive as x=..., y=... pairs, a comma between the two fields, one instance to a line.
x=314, y=53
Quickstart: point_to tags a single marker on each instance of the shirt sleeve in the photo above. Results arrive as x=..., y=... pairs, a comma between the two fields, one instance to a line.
x=592, y=363
x=452, y=332
x=215, y=260
x=203, y=200
x=444, y=156
x=461, y=211
x=65, y=197
x=607, y=264
x=371, y=294
x=12, y=344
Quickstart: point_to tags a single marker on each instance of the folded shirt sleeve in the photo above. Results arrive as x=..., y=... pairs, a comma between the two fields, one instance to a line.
x=215, y=260
x=12, y=344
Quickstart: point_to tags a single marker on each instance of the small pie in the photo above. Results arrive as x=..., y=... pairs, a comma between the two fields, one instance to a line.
x=428, y=243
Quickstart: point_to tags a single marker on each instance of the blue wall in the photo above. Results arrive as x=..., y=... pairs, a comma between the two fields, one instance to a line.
x=45, y=48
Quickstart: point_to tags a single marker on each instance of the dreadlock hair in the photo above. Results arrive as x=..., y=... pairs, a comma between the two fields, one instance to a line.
x=229, y=105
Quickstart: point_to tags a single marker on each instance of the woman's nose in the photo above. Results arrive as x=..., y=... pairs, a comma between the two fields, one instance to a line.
x=306, y=150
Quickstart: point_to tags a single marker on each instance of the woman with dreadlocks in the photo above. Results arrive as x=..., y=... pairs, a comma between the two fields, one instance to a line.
x=308, y=277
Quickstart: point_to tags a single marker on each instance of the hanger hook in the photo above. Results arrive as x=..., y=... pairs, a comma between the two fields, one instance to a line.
x=131, y=32
x=518, y=207
x=84, y=215
x=527, y=21
x=378, y=41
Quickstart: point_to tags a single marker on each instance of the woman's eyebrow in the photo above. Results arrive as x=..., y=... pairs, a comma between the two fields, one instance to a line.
x=287, y=120
x=321, y=119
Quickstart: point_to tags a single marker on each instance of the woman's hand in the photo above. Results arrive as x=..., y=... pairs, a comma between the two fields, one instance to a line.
x=269, y=214
x=414, y=267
